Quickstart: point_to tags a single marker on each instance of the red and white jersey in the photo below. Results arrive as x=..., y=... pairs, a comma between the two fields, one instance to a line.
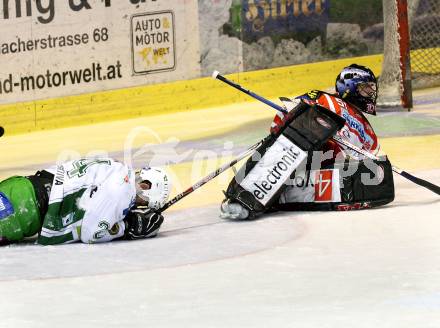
x=357, y=129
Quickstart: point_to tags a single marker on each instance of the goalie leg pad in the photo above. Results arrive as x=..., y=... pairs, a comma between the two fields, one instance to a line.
x=260, y=181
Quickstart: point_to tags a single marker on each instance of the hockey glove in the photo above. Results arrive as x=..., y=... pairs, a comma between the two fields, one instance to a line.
x=142, y=223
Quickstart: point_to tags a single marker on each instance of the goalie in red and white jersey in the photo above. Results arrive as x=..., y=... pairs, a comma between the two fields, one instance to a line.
x=330, y=177
x=356, y=92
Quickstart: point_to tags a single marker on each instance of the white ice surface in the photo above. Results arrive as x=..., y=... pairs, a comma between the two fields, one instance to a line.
x=371, y=268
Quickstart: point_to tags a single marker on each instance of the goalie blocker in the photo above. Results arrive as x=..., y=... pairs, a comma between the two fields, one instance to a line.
x=349, y=185
x=259, y=183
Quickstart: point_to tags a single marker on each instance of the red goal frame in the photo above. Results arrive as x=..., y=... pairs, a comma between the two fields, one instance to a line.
x=404, y=51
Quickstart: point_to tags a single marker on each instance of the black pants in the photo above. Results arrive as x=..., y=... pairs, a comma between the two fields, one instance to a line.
x=42, y=182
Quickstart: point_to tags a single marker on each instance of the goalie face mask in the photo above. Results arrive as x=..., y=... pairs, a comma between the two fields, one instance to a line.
x=153, y=186
x=357, y=85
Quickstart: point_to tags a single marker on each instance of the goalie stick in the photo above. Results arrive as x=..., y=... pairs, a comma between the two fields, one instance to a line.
x=216, y=75
x=211, y=176
x=423, y=183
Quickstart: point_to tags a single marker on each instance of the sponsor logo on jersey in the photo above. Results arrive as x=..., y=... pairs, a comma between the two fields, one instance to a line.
x=274, y=168
x=354, y=124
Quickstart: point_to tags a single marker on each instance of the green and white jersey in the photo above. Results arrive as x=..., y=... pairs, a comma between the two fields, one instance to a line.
x=88, y=201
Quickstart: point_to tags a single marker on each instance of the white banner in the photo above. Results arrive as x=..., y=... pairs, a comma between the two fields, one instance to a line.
x=51, y=49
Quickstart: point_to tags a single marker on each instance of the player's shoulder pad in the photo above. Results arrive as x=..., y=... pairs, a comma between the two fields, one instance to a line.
x=311, y=95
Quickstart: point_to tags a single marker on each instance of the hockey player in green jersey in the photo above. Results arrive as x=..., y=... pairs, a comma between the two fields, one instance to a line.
x=87, y=200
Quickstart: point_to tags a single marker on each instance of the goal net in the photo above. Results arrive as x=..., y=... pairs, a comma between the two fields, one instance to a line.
x=412, y=60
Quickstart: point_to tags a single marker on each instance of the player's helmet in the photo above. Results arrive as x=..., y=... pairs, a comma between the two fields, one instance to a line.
x=357, y=85
x=160, y=186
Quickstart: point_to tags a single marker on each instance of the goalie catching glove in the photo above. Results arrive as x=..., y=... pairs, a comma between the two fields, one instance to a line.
x=142, y=223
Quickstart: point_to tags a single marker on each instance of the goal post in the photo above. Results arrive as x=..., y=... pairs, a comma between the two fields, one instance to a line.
x=411, y=50
x=404, y=53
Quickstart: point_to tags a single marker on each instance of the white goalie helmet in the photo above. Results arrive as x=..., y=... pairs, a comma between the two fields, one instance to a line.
x=160, y=186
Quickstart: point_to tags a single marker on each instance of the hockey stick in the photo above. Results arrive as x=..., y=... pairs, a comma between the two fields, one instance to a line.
x=428, y=185
x=216, y=75
x=2, y=131
x=211, y=176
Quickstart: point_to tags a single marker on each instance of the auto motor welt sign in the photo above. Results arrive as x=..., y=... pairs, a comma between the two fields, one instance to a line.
x=52, y=49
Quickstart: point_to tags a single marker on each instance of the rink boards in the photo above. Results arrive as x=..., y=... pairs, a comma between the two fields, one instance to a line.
x=181, y=96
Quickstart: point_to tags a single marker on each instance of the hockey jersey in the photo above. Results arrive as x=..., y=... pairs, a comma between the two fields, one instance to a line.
x=357, y=129
x=88, y=201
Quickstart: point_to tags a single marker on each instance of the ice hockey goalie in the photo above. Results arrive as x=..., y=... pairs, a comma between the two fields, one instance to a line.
x=312, y=171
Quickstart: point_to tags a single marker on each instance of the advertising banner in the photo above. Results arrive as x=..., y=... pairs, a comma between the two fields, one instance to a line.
x=283, y=17
x=59, y=48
